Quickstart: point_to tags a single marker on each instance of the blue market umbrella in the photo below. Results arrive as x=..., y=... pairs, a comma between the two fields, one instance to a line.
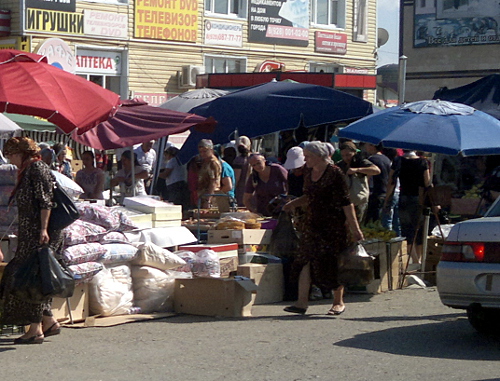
x=275, y=106
x=432, y=126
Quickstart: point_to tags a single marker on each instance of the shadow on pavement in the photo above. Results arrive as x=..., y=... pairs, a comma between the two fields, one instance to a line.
x=448, y=339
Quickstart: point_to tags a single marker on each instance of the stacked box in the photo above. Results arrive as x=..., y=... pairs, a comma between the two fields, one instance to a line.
x=141, y=219
x=248, y=240
x=167, y=216
x=269, y=278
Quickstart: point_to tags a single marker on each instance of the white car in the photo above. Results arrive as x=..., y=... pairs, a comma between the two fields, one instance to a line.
x=468, y=274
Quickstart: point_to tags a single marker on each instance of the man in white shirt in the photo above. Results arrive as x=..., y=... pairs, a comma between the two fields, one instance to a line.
x=146, y=156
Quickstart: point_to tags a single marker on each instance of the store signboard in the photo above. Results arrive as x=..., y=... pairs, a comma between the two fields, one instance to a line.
x=55, y=5
x=279, y=22
x=17, y=43
x=58, y=54
x=106, y=24
x=174, y=20
x=330, y=42
x=456, y=23
x=98, y=62
x=223, y=34
x=43, y=20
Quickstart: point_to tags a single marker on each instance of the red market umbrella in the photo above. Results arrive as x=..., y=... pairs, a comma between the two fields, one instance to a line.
x=29, y=85
x=136, y=122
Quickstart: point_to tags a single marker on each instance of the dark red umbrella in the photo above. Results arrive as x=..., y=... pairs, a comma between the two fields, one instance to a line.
x=136, y=122
x=31, y=86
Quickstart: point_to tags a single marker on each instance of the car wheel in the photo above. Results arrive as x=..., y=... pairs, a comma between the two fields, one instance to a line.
x=484, y=320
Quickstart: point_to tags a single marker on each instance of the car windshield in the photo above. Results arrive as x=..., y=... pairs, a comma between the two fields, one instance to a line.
x=494, y=210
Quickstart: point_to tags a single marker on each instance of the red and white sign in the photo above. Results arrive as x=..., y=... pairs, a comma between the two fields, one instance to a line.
x=355, y=70
x=269, y=65
x=331, y=42
x=98, y=62
x=222, y=33
x=106, y=24
x=58, y=54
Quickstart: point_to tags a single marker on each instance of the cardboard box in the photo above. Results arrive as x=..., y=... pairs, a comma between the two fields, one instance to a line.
x=227, y=266
x=226, y=297
x=269, y=278
x=241, y=237
x=224, y=250
x=78, y=305
x=434, y=249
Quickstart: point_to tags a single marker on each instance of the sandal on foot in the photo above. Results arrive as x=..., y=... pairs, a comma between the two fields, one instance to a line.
x=295, y=310
x=51, y=331
x=331, y=311
x=37, y=339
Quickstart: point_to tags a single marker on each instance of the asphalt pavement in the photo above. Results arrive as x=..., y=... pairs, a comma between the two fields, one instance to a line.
x=399, y=335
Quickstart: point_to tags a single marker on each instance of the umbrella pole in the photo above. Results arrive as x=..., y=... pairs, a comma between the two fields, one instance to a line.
x=133, y=169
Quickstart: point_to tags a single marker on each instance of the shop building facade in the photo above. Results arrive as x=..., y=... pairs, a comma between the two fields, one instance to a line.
x=448, y=43
x=156, y=49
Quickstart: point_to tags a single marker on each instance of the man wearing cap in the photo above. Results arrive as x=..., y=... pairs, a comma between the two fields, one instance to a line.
x=210, y=172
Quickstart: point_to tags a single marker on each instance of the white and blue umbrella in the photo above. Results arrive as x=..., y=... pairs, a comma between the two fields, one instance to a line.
x=431, y=126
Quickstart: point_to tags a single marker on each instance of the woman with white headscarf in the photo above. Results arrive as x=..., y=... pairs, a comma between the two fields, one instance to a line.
x=324, y=231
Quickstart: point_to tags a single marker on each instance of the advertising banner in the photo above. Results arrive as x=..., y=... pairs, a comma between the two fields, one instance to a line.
x=106, y=24
x=222, y=33
x=279, y=22
x=175, y=20
x=42, y=20
x=456, y=23
x=55, y=5
x=330, y=42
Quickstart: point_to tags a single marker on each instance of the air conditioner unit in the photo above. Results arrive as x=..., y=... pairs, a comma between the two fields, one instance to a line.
x=187, y=77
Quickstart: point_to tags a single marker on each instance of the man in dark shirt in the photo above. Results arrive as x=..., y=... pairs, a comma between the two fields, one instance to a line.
x=378, y=183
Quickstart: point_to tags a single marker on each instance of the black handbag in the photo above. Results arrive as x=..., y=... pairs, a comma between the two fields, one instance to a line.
x=64, y=212
x=42, y=277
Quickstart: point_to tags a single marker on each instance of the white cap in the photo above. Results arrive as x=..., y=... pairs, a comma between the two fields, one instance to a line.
x=294, y=158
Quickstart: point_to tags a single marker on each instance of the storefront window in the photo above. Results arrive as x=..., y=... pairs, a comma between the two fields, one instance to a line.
x=329, y=13
x=225, y=64
x=236, y=8
x=360, y=21
x=111, y=83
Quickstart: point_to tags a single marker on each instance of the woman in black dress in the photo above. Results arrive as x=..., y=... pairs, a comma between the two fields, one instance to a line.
x=325, y=232
x=33, y=194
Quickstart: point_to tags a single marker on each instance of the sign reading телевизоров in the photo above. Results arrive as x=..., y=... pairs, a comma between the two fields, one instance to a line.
x=175, y=20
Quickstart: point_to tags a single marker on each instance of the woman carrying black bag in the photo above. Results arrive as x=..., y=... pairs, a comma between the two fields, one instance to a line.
x=33, y=194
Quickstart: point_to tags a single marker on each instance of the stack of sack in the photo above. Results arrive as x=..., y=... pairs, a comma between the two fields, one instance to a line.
x=153, y=279
x=96, y=242
x=8, y=175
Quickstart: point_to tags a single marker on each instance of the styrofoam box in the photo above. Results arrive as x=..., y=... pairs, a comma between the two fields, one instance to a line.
x=148, y=204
